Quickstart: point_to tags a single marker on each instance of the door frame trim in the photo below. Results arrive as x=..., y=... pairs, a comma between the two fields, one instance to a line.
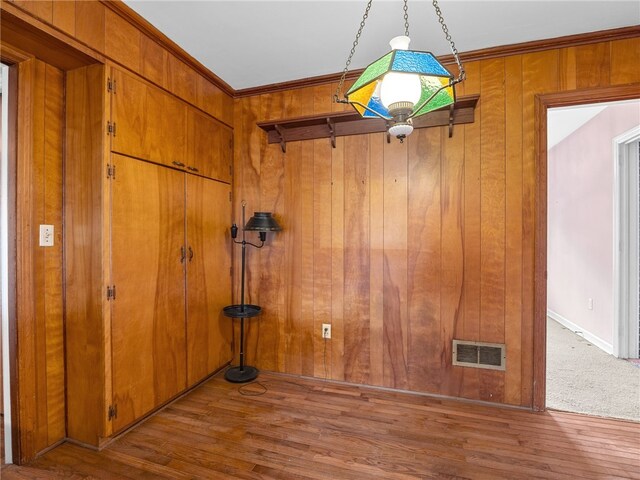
x=542, y=103
x=625, y=244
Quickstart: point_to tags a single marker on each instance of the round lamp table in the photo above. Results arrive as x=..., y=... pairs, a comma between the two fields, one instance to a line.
x=242, y=373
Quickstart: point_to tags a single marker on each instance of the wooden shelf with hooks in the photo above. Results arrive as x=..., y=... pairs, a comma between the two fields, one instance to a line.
x=339, y=124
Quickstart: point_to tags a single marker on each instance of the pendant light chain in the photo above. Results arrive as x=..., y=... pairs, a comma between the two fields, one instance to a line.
x=462, y=74
x=406, y=19
x=336, y=97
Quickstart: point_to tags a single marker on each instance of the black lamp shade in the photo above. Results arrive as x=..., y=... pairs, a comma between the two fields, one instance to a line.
x=262, y=222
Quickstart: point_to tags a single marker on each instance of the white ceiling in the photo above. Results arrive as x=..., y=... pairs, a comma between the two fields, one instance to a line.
x=253, y=43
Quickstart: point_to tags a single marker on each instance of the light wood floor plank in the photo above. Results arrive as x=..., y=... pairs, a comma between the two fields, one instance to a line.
x=306, y=429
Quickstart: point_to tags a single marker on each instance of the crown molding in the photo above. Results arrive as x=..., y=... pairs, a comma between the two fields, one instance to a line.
x=471, y=56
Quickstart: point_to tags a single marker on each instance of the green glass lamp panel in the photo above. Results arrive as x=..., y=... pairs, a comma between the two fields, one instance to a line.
x=418, y=62
x=372, y=72
x=442, y=99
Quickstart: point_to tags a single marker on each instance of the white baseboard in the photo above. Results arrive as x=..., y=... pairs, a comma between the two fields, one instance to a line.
x=589, y=337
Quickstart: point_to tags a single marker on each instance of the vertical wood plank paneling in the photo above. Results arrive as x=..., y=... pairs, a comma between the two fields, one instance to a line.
x=38, y=217
x=395, y=265
x=423, y=253
x=322, y=239
x=592, y=65
x=338, y=242
x=452, y=254
x=472, y=250
x=53, y=288
x=625, y=58
x=25, y=284
x=273, y=269
x=293, y=326
x=307, y=252
x=39, y=269
x=492, y=209
x=247, y=187
x=305, y=185
x=356, y=259
x=492, y=212
x=377, y=353
x=64, y=16
x=567, y=68
x=532, y=84
x=513, y=241
x=469, y=236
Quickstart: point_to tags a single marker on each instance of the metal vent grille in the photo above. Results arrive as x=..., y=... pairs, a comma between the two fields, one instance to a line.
x=479, y=355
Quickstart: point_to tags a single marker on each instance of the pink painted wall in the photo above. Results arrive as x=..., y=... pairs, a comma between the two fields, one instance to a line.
x=580, y=221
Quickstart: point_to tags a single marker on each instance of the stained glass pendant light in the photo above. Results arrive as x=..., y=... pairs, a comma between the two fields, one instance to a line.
x=402, y=84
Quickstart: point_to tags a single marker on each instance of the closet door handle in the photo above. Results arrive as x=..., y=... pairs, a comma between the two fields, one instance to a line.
x=178, y=164
x=183, y=254
x=193, y=169
x=190, y=253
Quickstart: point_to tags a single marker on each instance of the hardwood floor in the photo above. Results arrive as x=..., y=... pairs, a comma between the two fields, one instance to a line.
x=309, y=429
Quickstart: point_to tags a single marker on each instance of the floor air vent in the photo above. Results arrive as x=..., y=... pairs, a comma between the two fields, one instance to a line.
x=479, y=355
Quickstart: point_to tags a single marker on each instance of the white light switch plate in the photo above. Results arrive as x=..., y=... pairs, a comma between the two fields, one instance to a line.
x=46, y=235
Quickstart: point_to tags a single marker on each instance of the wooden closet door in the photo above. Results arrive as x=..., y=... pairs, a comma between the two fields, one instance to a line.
x=208, y=276
x=150, y=123
x=148, y=313
x=209, y=146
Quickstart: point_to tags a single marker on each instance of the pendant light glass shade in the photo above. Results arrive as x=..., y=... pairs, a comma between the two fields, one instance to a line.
x=398, y=78
x=262, y=222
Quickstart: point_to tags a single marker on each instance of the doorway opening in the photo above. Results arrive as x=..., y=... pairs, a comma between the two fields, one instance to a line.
x=6, y=454
x=593, y=321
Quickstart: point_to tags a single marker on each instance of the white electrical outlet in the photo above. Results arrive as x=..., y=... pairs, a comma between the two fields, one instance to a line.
x=46, y=235
x=326, y=330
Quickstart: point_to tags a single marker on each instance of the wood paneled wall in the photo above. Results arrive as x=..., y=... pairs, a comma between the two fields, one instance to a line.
x=39, y=269
x=112, y=38
x=404, y=247
x=101, y=28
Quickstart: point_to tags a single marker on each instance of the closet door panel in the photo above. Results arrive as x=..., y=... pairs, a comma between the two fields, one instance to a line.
x=208, y=276
x=209, y=146
x=148, y=312
x=149, y=123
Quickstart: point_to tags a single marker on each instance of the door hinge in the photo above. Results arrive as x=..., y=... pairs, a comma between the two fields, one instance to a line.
x=230, y=196
x=111, y=292
x=111, y=85
x=111, y=128
x=111, y=171
x=113, y=412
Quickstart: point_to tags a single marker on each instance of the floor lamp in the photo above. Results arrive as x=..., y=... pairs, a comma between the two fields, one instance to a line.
x=261, y=222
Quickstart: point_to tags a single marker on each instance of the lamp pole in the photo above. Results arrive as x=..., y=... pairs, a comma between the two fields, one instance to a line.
x=261, y=222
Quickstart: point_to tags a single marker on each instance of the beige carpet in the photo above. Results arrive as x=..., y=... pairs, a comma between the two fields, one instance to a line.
x=582, y=378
